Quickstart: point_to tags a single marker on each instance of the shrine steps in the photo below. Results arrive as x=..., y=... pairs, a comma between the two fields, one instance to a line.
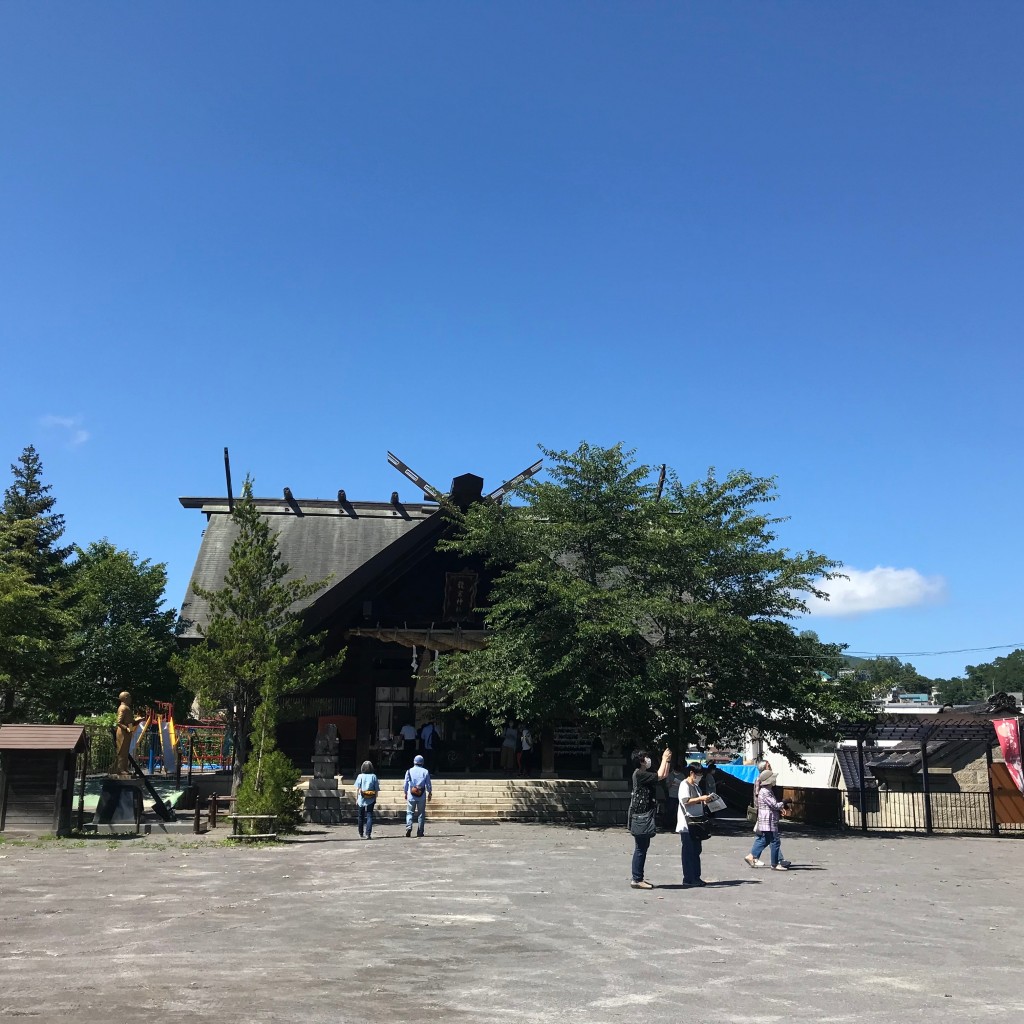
x=589, y=801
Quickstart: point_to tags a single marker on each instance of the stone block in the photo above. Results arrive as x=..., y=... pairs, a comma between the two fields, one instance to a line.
x=323, y=785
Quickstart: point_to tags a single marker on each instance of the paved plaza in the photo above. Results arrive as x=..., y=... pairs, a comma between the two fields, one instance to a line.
x=510, y=923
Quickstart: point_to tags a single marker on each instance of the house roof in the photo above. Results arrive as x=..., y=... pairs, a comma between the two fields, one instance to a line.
x=350, y=543
x=904, y=756
x=849, y=765
x=42, y=737
x=942, y=726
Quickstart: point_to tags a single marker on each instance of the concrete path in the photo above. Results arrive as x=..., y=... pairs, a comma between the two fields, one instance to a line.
x=510, y=923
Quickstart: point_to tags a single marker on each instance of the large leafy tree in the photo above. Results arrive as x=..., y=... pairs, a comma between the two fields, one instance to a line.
x=32, y=557
x=124, y=638
x=254, y=648
x=644, y=613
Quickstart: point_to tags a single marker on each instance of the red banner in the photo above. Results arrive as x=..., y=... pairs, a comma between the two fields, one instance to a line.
x=1008, y=731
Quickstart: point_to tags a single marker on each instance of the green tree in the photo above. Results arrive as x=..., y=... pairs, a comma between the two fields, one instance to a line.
x=887, y=673
x=23, y=611
x=643, y=616
x=124, y=638
x=31, y=551
x=723, y=596
x=254, y=649
x=1002, y=675
x=959, y=690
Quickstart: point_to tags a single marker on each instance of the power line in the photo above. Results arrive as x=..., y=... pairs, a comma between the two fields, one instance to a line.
x=929, y=654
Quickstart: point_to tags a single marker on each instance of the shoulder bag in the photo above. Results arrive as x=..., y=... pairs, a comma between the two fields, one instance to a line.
x=699, y=826
x=642, y=811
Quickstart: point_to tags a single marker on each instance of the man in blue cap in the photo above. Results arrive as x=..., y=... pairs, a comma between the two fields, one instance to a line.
x=417, y=792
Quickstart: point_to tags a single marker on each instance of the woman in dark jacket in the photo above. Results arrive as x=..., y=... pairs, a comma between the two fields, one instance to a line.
x=643, y=808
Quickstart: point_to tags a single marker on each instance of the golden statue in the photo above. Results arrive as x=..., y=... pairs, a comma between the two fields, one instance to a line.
x=126, y=723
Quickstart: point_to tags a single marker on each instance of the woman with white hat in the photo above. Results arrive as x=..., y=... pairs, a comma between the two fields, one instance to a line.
x=769, y=811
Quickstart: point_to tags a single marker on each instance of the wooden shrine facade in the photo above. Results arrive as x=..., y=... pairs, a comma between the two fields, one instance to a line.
x=394, y=602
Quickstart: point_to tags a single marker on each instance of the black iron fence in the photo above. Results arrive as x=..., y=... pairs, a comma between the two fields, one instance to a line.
x=936, y=811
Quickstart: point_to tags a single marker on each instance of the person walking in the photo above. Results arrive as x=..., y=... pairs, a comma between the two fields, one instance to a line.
x=769, y=811
x=508, y=748
x=428, y=743
x=367, y=785
x=408, y=734
x=762, y=767
x=643, y=809
x=418, y=791
x=525, y=751
x=692, y=805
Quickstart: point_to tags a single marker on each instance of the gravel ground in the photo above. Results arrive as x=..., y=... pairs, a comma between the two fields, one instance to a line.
x=510, y=922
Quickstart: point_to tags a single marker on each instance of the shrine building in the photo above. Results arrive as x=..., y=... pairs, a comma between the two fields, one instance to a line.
x=395, y=603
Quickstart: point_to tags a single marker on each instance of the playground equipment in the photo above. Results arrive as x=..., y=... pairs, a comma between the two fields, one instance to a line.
x=162, y=746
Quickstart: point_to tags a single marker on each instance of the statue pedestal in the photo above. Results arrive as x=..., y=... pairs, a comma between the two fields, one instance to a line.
x=612, y=768
x=323, y=799
x=120, y=803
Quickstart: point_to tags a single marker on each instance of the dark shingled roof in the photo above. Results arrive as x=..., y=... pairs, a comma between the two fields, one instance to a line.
x=941, y=726
x=905, y=756
x=317, y=539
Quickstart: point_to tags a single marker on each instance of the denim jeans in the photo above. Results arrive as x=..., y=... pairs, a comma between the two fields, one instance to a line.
x=691, y=858
x=643, y=844
x=764, y=839
x=366, y=817
x=416, y=810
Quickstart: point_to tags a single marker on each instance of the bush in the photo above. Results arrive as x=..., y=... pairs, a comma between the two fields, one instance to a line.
x=268, y=787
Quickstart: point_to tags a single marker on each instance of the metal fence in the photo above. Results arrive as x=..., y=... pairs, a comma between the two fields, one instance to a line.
x=936, y=811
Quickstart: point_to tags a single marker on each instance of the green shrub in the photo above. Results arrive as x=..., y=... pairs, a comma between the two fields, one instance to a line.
x=268, y=787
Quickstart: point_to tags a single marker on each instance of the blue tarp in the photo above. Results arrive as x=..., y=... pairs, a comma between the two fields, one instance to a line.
x=743, y=772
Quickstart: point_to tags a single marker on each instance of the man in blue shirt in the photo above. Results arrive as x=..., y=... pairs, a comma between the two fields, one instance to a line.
x=428, y=740
x=417, y=792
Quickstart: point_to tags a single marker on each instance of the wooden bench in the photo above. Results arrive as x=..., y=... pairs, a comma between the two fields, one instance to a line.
x=216, y=806
x=236, y=828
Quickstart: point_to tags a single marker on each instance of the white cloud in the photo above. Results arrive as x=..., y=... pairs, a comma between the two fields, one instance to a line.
x=76, y=433
x=874, y=590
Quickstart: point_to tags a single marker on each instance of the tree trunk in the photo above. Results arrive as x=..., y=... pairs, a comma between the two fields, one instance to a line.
x=240, y=729
x=680, y=739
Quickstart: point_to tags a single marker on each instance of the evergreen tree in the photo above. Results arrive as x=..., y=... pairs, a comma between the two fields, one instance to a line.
x=254, y=649
x=641, y=615
x=23, y=611
x=30, y=547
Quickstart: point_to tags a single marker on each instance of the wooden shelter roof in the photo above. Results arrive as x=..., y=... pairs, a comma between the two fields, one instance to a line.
x=42, y=737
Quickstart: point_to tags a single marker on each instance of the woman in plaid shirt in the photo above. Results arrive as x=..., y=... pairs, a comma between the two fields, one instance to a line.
x=769, y=811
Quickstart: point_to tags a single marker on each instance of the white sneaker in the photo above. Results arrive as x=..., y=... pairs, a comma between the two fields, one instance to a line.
x=753, y=863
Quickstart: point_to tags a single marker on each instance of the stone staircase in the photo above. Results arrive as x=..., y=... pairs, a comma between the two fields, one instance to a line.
x=589, y=801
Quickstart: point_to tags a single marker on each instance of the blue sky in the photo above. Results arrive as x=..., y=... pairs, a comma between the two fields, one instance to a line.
x=782, y=237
